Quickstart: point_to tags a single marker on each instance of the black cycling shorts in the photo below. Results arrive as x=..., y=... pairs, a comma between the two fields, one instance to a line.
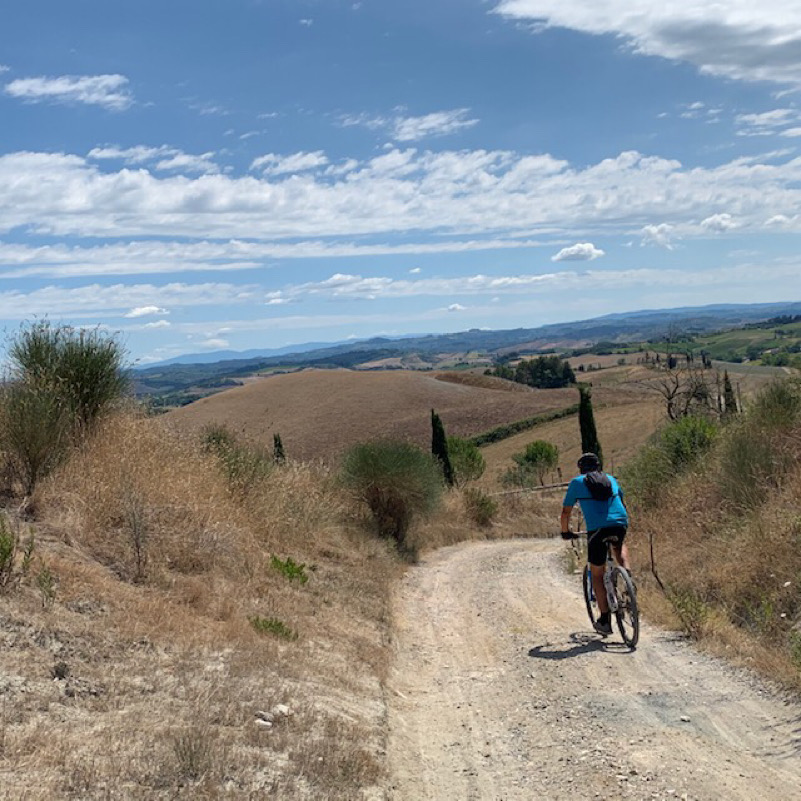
x=596, y=543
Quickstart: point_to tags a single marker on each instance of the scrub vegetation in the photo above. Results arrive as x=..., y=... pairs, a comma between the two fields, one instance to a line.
x=718, y=529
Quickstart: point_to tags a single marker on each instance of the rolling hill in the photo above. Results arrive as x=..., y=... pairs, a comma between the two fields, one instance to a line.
x=319, y=413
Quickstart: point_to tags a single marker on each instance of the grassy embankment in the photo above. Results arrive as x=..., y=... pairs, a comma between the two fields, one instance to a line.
x=173, y=596
x=725, y=524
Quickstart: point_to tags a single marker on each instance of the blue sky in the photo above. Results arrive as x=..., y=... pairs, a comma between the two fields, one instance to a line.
x=252, y=173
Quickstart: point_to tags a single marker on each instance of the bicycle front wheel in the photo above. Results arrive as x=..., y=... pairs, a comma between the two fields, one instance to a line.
x=589, y=597
x=628, y=614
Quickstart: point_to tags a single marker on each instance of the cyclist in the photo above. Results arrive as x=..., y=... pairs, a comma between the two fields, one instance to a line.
x=601, y=501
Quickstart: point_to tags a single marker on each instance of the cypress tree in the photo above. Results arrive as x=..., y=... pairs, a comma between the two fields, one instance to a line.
x=279, y=457
x=439, y=447
x=589, y=435
x=728, y=395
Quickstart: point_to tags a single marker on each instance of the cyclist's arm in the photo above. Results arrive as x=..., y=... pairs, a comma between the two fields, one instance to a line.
x=567, y=511
x=567, y=507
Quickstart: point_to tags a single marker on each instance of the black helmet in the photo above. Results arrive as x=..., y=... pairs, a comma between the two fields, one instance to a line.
x=588, y=463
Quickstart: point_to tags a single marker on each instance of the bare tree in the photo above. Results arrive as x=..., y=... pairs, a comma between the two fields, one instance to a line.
x=687, y=390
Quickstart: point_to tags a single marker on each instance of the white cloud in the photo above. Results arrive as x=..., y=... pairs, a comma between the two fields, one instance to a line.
x=719, y=223
x=415, y=270
x=465, y=194
x=166, y=158
x=214, y=343
x=410, y=129
x=440, y=123
x=581, y=251
x=4, y=68
x=767, y=123
x=791, y=132
x=273, y=164
x=109, y=91
x=184, y=162
x=146, y=311
x=154, y=257
x=158, y=324
x=345, y=286
x=307, y=22
x=96, y=299
x=736, y=39
x=131, y=155
x=662, y=235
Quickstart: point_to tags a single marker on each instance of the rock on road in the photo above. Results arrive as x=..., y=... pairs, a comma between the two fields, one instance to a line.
x=500, y=690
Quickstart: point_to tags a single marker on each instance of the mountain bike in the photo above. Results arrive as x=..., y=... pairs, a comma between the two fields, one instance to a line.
x=620, y=593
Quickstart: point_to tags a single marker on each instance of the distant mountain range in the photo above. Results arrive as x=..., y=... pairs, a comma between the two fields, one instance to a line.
x=210, y=368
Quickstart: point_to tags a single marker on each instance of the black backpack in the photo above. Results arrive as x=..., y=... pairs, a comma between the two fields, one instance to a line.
x=599, y=485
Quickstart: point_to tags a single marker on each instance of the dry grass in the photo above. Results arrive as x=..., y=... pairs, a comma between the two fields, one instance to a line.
x=321, y=413
x=519, y=515
x=734, y=576
x=160, y=672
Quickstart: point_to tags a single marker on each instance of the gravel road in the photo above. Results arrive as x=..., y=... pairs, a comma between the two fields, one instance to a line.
x=500, y=690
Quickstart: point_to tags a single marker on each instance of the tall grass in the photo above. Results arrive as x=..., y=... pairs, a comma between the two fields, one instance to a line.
x=726, y=532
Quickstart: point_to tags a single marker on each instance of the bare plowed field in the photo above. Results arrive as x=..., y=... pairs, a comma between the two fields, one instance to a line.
x=319, y=413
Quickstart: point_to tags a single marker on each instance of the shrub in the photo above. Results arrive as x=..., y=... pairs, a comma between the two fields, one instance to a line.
x=13, y=568
x=85, y=369
x=244, y=465
x=289, y=568
x=35, y=433
x=61, y=381
x=756, y=452
x=646, y=476
x=397, y=481
x=480, y=507
x=274, y=626
x=687, y=439
x=776, y=406
x=466, y=460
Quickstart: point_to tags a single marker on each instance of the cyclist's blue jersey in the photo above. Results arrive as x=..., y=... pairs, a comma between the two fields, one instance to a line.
x=597, y=514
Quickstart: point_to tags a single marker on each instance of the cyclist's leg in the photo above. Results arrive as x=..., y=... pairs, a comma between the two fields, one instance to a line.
x=596, y=556
x=598, y=587
x=621, y=551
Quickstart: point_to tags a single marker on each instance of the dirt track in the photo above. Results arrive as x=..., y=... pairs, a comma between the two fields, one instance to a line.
x=500, y=691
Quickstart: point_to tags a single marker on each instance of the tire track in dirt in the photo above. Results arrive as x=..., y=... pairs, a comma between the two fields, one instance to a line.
x=500, y=690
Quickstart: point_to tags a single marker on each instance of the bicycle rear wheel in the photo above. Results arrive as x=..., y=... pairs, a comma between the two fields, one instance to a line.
x=628, y=614
x=589, y=596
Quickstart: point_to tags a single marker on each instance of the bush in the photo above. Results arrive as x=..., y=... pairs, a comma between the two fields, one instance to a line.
x=480, y=508
x=756, y=452
x=61, y=381
x=84, y=369
x=13, y=568
x=244, y=465
x=687, y=439
x=290, y=569
x=777, y=406
x=397, y=481
x=35, y=434
x=466, y=461
x=274, y=626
